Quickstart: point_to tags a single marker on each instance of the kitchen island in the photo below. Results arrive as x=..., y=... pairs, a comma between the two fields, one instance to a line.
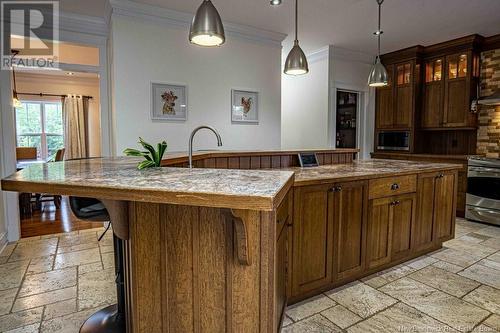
x=219, y=249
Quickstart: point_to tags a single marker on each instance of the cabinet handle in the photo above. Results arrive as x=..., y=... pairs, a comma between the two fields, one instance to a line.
x=336, y=189
x=395, y=186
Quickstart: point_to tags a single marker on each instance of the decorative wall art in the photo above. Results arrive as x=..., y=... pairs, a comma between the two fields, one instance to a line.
x=168, y=102
x=244, y=106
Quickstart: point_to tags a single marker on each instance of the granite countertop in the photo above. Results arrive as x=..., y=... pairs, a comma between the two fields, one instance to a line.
x=365, y=169
x=118, y=178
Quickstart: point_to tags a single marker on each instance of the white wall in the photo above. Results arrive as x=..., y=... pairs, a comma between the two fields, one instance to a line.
x=144, y=52
x=62, y=85
x=309, y=101
x=304, y=115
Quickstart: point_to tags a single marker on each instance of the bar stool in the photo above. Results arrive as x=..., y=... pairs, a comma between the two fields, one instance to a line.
x=112, y=318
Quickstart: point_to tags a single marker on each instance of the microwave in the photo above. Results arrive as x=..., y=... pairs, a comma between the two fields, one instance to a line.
x=399, y=141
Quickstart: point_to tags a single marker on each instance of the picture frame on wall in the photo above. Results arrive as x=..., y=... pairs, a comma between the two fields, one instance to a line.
x=244, y=106
x=168, y=102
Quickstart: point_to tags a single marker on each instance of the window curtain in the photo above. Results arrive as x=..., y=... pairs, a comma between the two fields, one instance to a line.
x=75, y=113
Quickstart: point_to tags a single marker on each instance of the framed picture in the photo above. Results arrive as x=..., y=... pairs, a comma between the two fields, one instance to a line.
x=168, y=102
x=244, y=106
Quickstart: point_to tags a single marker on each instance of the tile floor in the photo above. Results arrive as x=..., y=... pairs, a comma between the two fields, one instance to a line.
x=454, y=289
x=53, y=283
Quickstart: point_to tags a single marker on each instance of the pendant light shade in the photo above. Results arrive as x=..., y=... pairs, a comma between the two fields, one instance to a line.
x=207, y=28
x=378, y=75
x=296, y=61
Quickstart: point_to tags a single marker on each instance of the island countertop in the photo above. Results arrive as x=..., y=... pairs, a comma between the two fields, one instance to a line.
x=119, y=179
x=365, y=169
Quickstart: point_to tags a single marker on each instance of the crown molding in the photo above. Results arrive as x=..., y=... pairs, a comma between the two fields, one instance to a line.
x=339, y=53
x=55, y=79
x=318, y=55
x=177, y=19
x=83, y=24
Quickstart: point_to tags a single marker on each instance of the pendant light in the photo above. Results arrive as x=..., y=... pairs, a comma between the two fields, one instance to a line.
x=378, y=75
x=296, y=62
x=207, y=28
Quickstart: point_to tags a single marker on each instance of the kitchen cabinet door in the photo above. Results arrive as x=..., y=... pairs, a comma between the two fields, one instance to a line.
x=312, y=238
x=457, y=91
x=445, y=193
x=423, y=228
x=404, y=208
x=281, y=274
x=404, y=91
x=350, y=214
x=385, y=103
x=432, y=108
x=379, y=232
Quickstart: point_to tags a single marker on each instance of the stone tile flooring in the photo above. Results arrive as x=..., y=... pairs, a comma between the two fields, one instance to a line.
x=454, y=289
x=53, y=283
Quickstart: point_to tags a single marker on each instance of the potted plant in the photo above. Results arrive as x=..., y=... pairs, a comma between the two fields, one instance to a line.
x=152, y=156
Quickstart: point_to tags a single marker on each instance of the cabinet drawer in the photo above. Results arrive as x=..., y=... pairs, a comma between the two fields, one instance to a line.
x=383, y=187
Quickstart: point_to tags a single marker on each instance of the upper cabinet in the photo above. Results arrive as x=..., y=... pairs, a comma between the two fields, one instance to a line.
x=395, y=102
x=431, y=88
x=449, y=88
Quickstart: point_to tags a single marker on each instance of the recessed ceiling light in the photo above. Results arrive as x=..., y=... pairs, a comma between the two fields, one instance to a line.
x=275, y=2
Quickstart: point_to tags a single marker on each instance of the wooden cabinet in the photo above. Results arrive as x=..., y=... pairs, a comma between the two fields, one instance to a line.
x=283, y=222
x=432, y=107
x=445, y=192
x=312, y=238
x=395, y=102
x=349, y=211
x=389, y=229
x=328, y=234
x=379, y=232
x=403, y=92
x=449, y=88
x=385, y=103
x=404, y=213
x=435, y=209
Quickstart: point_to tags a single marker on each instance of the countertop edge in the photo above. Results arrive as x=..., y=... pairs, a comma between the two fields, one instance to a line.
x=232, y=201
x=330, y=179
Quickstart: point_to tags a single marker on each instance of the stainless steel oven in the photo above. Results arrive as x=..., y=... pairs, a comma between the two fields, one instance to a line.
x=390, y=140
x=483, y=190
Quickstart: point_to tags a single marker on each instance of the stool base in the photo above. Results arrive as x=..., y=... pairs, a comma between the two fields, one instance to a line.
x=105, y=320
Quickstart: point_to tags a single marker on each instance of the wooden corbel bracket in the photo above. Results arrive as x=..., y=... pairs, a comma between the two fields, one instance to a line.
x=118, y=213
x=241, y=236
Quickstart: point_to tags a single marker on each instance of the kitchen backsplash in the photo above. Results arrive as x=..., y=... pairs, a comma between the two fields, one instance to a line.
x=488, y=136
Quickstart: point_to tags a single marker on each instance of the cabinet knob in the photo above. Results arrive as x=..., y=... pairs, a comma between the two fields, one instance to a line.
x=395, y=203
x=395, y=186
x=336, y=188
x=440, y=175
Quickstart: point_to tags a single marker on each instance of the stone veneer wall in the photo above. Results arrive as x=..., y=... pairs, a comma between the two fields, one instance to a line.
x=488, y=136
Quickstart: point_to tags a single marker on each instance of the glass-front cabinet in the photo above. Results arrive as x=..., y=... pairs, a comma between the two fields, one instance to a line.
x=404, y=95
x=433, y=93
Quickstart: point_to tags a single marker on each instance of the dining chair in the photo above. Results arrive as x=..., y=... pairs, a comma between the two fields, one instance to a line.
x=26, y=153
x=44, y=197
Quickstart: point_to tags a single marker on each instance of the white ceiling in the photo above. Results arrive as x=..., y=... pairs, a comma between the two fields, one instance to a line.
x=346, y=23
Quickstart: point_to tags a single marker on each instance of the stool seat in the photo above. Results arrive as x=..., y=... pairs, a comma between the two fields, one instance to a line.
x=89, y=209
x=112, y=318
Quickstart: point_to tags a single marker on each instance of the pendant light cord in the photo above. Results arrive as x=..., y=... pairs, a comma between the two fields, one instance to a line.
x=379, y=20
x=296, y=20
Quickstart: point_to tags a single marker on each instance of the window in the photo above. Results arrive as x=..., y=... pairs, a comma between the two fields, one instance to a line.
x=40, y=125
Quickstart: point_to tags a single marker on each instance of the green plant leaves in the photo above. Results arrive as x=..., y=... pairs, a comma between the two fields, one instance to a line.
x=153, y=156
x=145, y=164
